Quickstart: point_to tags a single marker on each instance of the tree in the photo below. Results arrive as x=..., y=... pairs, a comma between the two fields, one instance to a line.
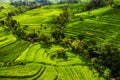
x=108, y=59
x=77, y=46
x=81, y=18
x=110, y=2
x=111, y=59
x=95, y=4
x=72, y=1
x=63, y=18
x=61, y=53
x=25, y=27
x=8, y=22
x=57, y=34
x=81, y=36
x=32, y=37
x=65, y=42
x=1, y=7
x=45, y=39
x=2, y=22
x=115, y=5
x=20, y=33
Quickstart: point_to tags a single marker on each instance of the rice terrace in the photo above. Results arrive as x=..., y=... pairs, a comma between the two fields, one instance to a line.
x=59, y=39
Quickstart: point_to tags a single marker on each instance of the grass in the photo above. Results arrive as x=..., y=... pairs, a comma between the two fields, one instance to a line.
x=10, y=47
x=103, y=29
x=49, y=73
x=31, y=53
x=36, y=53
x=39, y=56
x=20, y=70
x=12, y=51
x=6, y=38
x=7, y=8
x=95, y=12
x=8, y=41
x=43, y=16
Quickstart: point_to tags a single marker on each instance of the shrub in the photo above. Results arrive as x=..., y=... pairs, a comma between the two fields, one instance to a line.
x=77, y=46
x=81, y=37
x=115, y=5
x=95, y=4
x=81, y=18
x=1, y=65
x=58, y=34
x=63, y=18
x=44, y=38
x=32, y=37
x=65, y=42
x=61, y=53
x=2, y=22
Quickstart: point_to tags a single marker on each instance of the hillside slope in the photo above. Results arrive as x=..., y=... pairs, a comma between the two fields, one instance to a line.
x=20, y=59
x=101, y=24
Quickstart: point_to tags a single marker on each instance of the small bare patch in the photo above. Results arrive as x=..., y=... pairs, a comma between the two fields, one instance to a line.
x=90, y=33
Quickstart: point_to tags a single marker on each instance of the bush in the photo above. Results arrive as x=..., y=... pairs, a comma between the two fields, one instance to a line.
x=32, y=37
x=58, y=34
x=93, y=4
x=77, y=46
x=81, y=18
x=44, y=38
x=1, y=65
x=61, y=53
x=63, y=18
x=115, y=5
x=65, y=42
x=2, y=22
x=111, y=59
x=106, y=57
x=81, y=37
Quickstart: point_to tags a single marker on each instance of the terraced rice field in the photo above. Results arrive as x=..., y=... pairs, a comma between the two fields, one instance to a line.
x=10, y=47
x=43, y=67
x=7, y=8
x=39, y=65
x=36, y=71
x=104, y=29
x=36, y=53
x=44, y=15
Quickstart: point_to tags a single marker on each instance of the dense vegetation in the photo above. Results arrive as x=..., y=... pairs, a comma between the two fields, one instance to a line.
x=68, y=41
